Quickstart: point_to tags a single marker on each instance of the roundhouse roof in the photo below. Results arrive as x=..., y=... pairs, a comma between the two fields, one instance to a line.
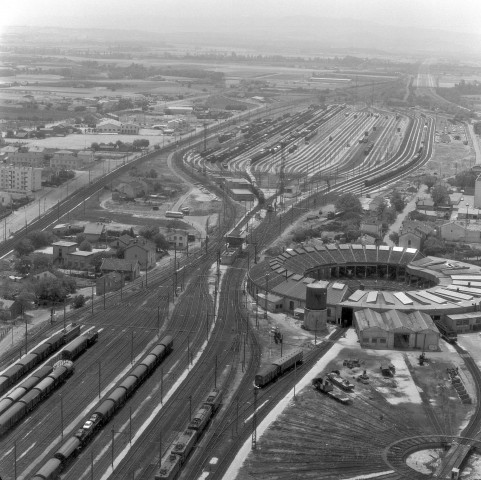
x=457, y=289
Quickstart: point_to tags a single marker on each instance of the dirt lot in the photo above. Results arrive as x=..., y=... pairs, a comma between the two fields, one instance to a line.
x=316, y=437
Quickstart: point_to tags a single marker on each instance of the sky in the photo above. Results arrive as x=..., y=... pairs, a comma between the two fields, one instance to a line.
x=453, y=15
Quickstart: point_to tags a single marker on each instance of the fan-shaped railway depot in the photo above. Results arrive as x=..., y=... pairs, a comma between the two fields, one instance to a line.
x=383, y=279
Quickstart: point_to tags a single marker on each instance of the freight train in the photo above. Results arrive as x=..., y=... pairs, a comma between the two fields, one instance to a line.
x=278, y=367
x=180, y=449
x=79, y=345
x=105, y=410
x=27, y=402
x=28, y=362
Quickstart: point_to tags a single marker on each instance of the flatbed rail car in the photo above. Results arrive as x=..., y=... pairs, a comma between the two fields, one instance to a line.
x=170, y=214
x=107, y=408
x=326, y=387
x=277, y=368
x=447, y=333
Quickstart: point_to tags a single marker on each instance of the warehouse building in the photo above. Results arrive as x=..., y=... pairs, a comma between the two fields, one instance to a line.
x=393, y=329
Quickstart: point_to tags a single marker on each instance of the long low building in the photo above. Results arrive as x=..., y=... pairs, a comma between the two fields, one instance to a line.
x=399, y=279
x=393, y=329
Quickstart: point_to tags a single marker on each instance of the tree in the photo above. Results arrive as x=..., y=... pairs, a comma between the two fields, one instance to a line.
x=348, y=202
x=434, y=246
x=80, y=238
x=440, y=195
x=394, y=237
x=40, y=262
x=149, y=231
x=40, y=238
x=397, y=201
x=429, y=181
x=23, y=265
x=24, y=247
x=95, y=146
x=97, y=259
x=381, y=208
x=26, y=299
x=78, y=301
x=85, y=246
x=160, y=241
x=141, y=143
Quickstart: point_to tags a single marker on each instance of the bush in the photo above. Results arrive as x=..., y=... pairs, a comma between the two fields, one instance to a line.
x=78, y=301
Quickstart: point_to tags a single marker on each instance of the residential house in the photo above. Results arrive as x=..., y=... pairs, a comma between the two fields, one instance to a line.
x=413, y=233
x=133, y=189
x=66, y=160
x=61, y=251
x=94, y=231
x=130, y=270
x=47, y=275
x=5, y=199
x=28, y=157
x=121, y=242
x=375, y=203
x=62, y=229
x=144, y=253
x=461, y=232
x=129, y=128
x=10, y=309
x=425, y=204
x=80, y=260
x=177, y=239
x=110, y=282
x=372, y=225
x=86, y=156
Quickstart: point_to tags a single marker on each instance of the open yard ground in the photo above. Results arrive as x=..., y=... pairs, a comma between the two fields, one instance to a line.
x=312, y=436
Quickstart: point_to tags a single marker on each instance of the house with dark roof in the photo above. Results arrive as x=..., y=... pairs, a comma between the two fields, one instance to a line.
x=110, y=282
x=371, y=225
x=129, y=269
x=413, y=233
x=121, y=242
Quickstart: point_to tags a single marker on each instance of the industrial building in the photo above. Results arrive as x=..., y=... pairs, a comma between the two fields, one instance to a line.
x=393, y=329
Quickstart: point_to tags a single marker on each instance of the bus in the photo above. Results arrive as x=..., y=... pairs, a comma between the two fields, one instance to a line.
x=174, y=214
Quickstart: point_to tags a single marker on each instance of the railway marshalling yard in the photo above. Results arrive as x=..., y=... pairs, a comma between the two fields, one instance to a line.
x=310, y=434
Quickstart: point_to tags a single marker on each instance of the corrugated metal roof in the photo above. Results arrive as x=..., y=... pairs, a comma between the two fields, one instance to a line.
x=453, y=294
x=392, y=320
x=357, y=295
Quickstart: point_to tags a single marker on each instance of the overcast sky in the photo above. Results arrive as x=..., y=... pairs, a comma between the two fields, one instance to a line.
x=454, y=15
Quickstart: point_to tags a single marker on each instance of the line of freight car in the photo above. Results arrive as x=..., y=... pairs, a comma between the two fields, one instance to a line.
x=392, y=173
x=183, y=445
x=79, y=345
x=278, y=367
x=28, y=362
x=61, y=371
x=102, y=414
x=24, y=387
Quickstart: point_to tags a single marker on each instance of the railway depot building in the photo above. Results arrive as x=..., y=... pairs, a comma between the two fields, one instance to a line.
x=381, y=279
x=394, y=329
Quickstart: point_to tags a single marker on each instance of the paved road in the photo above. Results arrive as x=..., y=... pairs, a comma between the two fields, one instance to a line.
x=474, y=138
x=396, y=226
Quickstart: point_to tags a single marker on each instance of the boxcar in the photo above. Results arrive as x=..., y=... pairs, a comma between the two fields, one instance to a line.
x=170, y=467
x=68, y=449
x=106, y=408
x=32, y=398
x=139, y=372
x=11, y=417
x=42, y=350
x=150, y=361
x=69, y=335
x=28, y=361
x=158, y=351
x=118, y=396
x=130, y=383
x=168, y=343
x=5, y=404
x=49, y=471
x=266, y=375
x=42, y=372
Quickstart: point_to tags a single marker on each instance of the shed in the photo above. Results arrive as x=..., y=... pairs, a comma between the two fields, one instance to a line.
x=394, y=329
